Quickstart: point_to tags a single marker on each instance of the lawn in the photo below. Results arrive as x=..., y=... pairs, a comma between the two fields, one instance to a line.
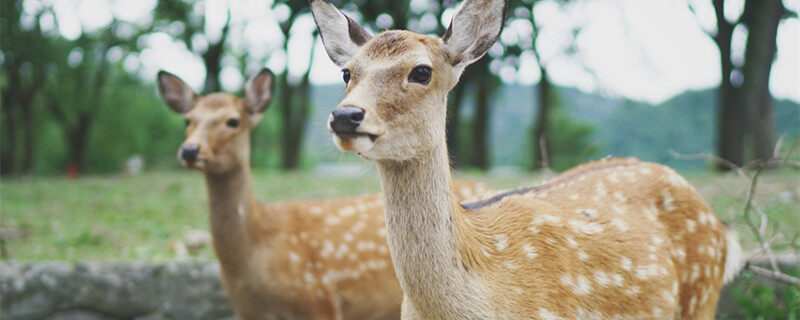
x=143, y=217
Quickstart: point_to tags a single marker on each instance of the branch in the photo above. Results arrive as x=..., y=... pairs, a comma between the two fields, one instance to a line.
x=777, y=275
x=751, y=205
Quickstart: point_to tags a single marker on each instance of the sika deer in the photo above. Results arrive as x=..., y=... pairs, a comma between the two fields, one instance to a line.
x=321, y=259
x=612, y=239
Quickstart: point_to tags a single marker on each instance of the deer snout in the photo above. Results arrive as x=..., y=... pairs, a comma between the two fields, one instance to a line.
x=190, y=153
x=345, y=119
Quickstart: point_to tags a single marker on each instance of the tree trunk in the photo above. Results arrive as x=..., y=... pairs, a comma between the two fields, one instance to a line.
x=10, y=105
x=480, y=120
x=8, y=151
x=287, y=142
x=541, y=131
x=78, y=142
x=29, y=138
x=731, y=115
x=761, y=18
x=212, y=59
x=453, y=123
x=298, y=116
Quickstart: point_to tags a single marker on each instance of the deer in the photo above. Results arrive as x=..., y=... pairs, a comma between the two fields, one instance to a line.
x=311, y=259
x=611, y=239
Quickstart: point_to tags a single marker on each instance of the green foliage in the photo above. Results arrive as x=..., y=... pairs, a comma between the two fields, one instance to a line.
x=570, y=141
x=757, y=300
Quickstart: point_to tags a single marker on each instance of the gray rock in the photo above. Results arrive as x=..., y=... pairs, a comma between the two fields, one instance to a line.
x=183, y=289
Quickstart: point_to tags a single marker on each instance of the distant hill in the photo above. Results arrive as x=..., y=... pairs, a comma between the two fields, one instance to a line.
x=685, y=124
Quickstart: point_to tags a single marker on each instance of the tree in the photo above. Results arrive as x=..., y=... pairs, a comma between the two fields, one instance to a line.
x=76, y=93
x=761, y=18
x=743, y=92
x=25, y=56
x=182, y=11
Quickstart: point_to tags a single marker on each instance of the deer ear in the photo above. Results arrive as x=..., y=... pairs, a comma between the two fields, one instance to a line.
x=476, y=25
x=258, y=92
x=341, y=36
x=176, y=93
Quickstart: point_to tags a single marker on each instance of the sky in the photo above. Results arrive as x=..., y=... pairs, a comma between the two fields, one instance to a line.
x=643, y=50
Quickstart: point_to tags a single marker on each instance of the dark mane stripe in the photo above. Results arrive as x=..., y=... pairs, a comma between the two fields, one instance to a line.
x=540, y=187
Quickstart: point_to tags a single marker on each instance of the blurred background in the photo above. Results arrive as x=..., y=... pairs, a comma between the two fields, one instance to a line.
x=87, y=147
x=578, y=79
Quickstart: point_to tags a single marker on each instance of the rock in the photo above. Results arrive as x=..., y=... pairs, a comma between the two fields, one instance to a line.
x=182, y=289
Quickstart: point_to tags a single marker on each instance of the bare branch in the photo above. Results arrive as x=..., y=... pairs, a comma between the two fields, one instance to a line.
x=777, y=275
x=751, y=206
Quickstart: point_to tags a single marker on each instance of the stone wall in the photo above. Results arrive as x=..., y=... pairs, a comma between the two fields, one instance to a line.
x=182, y=289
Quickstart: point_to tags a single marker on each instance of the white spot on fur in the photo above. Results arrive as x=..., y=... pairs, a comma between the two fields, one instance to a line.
x=294, y=257
x=571, y=242
x=573, y=197
x=347, y=211
x=500, y=241
x=626, y=264
x=645, y=272
x=586, y=226
x=602, y=278
x=582, y=255
x=632, y=291
x=308, y=277
x=332, y=220
x=315, y=210
x=240, y=211
x=620, y=224
x=695, y=273
x=618, y=195
x=548, y=315
x=617, y=279
x=546, y=218
x=691, y=226
x=668, y=200
x=679, y=253
x=651, y=213
x=668, y=297
x=382, y=232
x=579, y=285
x=530, y=252
x=348, y=237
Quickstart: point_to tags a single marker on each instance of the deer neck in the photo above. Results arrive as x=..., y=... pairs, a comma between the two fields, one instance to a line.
x=231, y=208
x=423, y=230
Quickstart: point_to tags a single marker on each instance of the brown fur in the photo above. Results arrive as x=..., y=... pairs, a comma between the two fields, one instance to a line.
x=315, y=259
x=620, y=225
x=612, y=239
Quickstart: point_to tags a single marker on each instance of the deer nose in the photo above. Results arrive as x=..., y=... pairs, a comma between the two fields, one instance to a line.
x=346, y=119
x=190, y=153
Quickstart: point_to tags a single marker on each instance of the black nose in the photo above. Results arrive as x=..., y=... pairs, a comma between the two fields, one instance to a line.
x=189, y=153
x=346, y=119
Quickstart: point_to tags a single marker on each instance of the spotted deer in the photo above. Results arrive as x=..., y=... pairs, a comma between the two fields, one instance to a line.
x=318, y=259
x=611, y=239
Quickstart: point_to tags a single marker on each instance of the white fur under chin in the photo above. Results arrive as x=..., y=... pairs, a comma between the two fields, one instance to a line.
x=358, y=144
x=734, y=257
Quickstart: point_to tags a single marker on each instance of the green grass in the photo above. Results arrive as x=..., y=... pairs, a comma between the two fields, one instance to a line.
x=140, y=217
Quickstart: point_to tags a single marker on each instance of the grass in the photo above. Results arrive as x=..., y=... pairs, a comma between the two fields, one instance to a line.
x=141, y=217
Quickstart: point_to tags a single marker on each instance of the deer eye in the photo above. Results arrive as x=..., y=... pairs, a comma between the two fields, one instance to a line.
x=188, y=122
x=420, y=74
x=346, y=75
x=233, y=123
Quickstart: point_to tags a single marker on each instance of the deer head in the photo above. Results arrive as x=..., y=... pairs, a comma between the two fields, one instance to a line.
x=217, y=125
x=397, y=82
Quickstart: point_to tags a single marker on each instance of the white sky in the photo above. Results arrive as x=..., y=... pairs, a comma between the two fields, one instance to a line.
x=645, y=50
